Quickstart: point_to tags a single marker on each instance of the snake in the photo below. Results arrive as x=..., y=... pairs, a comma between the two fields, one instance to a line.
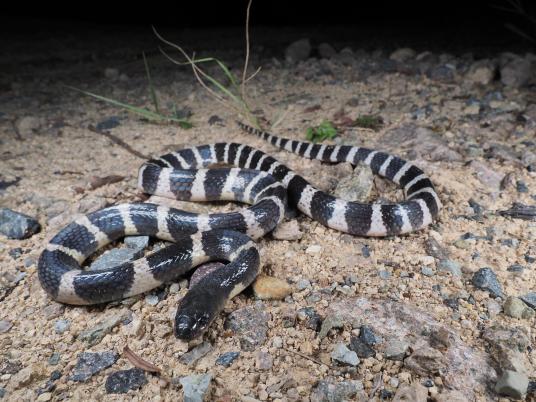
x=231, y=172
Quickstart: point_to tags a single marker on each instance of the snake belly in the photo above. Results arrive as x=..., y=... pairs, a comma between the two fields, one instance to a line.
x=259, y=180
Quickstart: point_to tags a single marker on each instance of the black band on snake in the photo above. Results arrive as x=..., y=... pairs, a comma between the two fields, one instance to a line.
x=259, y=180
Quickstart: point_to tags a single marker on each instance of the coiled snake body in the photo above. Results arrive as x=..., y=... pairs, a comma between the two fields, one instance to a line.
x=259, y=180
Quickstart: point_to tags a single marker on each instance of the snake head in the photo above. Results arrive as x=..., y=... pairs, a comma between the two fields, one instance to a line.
x=196, y=311
x=190, y=324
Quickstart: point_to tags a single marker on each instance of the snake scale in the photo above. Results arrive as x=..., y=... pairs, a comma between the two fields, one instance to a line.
x=259, y=180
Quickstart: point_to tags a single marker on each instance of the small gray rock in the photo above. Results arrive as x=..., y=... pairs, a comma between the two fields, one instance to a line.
x=530, y=299
x=95, y=334
x=61, y=326
x=426, y=271
x=450, y=266
x=54, y=359
x=27, y=125
x=486, y=279
x=5, y=326
x=344, y=355
x=326, y=391
x=114, y=257
x=367, y=335
x=512, y=384
x=250, y=324
x=195, y=387
x=362, y=350
x=137, y=242
x=395, y=349
x=516, y=308
x=16, y=225
x=227, y=359
x=403, y=54
x=298, y=51
x=303, y=284
x=356, y=186
x=516, y=73
x=89, y=364
x=263, y=360
x=120, y=382
x=151, y=299
x=331, y=321
x=326, y=51
x=191, y=357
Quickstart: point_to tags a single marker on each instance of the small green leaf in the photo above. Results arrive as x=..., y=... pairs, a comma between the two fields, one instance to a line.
x=326, y=130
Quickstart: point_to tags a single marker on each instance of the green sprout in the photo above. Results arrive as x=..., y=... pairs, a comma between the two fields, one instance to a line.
x=325, y=131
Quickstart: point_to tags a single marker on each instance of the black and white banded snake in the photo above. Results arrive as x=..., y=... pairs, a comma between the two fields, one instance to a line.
x=259, y=180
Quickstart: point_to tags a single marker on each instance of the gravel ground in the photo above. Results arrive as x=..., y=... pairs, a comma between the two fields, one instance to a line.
x=412, y=317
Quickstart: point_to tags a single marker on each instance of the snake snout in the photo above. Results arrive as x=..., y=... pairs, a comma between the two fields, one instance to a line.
x=188, y=326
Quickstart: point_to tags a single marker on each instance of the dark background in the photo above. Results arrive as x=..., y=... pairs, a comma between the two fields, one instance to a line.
x=453, y=25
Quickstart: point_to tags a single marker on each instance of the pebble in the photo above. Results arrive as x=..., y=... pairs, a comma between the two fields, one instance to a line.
x=94, y=335
x=15, y=253
x=521, y=187
x=487, y=176
x=516, y=72
x=227, y=359
x=530, y=299
x=271, y=288
x=403, y=54
x=53, y=310
x=326, y=390
x=344, y=355
x=250, y=323
x=303, y=284
x=427, y=271
x=16, y=225
x=426, y=361
x=215, y=119
x=384, y=274
x=367, y=336
x=516, y=308
x=520, y=211
x=27, y=125
x=486, y=279
x=414, y=392
x=288, y=231
x=191, y=357
x=54, y=359
x=108, y=123
x=512, y=384
x=480, y=72
x=263, y=360
x=436, y=250
x=195, y=387
x=5, y=326
x=114, y=257
x=151, y=299
x=516, y=268
x=356, y=186
x=61, y=326
x=362, y=350
x=137, y=242
x=89, y=364
x=326, y=51
x=395, y=349
x=331, y=321
x=120, y=382
x=299, y=50
x=313, y=249
x=493, y=307
x=309, y=314
x=450, y=266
